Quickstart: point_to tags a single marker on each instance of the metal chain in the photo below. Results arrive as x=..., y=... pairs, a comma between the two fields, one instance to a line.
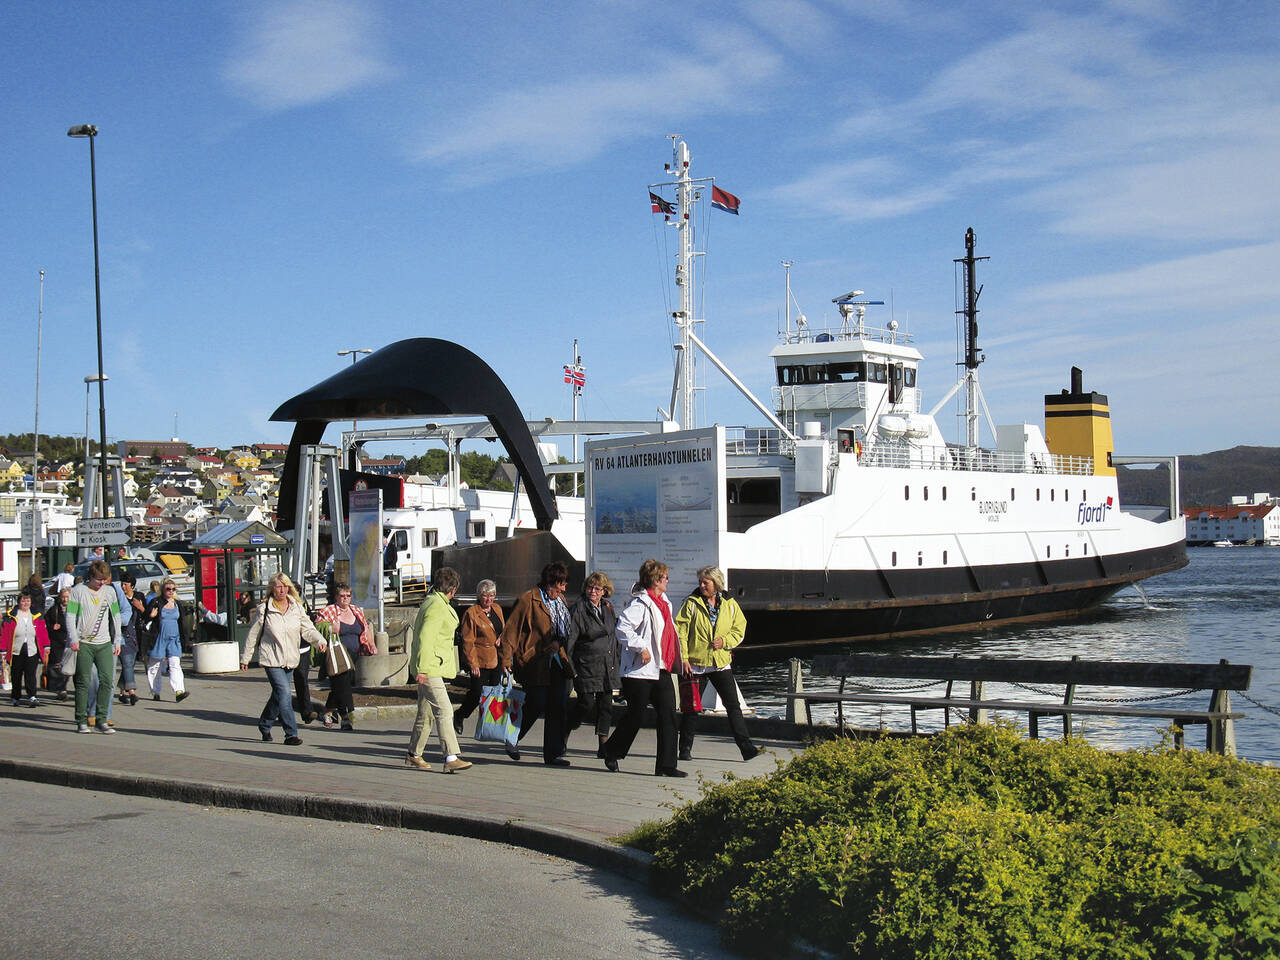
x=1145, y=699
x=868, y=688
x=1260, y=706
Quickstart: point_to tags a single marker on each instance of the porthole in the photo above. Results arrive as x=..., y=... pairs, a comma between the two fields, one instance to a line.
x=1013, y=493
x=1052, y=494
x=906, y=492
x=944, y=493
x=1047, y=550
x=944, y=558
x=926, y=493
x=893, y=558
x=1037, y=494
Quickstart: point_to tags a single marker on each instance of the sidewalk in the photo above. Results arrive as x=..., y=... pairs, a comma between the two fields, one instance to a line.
x=207, y=750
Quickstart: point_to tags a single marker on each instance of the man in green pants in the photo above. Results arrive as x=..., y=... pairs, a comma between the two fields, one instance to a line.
x=93, y=629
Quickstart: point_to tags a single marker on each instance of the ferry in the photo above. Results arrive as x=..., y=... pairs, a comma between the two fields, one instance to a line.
x=849, y=515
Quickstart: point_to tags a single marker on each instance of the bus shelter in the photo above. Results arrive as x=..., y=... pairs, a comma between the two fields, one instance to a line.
x=233, y=562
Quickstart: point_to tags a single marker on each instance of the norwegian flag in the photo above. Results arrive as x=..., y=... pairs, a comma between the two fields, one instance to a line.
x=659, y=205
x=575, y=375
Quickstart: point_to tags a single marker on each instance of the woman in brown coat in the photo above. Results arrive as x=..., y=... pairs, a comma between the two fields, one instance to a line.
x=484, y=657
x=536, y=635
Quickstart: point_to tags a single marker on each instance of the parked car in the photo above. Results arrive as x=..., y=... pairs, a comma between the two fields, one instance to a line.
x=144, y=571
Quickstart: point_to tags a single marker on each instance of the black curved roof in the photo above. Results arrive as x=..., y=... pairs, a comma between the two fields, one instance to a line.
x=420, y=377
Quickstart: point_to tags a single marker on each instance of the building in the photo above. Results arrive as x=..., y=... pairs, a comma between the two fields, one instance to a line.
x=164, y=449
x=1240, y=523
x=387, y=467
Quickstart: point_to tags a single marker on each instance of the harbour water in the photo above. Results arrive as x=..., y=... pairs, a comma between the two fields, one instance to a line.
x=1224, y=605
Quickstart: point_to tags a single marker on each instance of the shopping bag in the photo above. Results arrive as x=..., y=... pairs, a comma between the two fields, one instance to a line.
x=336, y=658
x=68, y=665
x=690, y=695
x=501, y=707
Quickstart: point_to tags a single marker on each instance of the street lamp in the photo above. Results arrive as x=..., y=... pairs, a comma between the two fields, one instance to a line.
x=90, y=131
x=355, y=355
x=98, y=379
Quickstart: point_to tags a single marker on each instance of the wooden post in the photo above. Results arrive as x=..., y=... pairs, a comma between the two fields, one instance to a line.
x=795, y=684
x=1220, y=735
x=1066, y=700
x=976, y=715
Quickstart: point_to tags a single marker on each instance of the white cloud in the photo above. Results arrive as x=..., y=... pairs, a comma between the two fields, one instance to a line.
x=297, y=53
x=580, y=117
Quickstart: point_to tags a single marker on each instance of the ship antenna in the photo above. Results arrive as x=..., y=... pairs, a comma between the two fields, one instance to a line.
x=971, y=351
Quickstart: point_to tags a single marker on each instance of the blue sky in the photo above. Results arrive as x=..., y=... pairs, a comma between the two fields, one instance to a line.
x=281, y=180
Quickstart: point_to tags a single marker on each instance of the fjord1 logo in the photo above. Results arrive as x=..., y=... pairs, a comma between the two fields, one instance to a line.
x=1093, y=512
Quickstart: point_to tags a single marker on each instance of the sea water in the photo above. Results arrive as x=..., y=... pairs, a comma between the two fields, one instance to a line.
x=1225, y=604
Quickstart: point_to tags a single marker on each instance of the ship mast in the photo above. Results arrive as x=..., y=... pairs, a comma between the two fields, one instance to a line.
x=683, y=407
x=972, y=357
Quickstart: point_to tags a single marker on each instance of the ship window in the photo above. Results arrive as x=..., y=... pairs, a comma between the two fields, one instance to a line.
x=847, y=372
x=944, y=558
x=1052, y=493
x=1013, y=493
x=1086, y=549
x=1037, y=493
x=906, y=492
x=1047, y=552
x=1066, y=495
x=893, y=558
x=909, y=376
x=877, y=373
x=920, y=559
x=1066, y=551
x=944, y=493
x=430, y=538
x=475, y=529
x=973, y=493
x=926, y=493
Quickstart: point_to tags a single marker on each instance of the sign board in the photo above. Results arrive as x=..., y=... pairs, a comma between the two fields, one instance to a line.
x=257, y=538
x=364, y=525
x=660, y=497
x=102, y=525
x=101, y=539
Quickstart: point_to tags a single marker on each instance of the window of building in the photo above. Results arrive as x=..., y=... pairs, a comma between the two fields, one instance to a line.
x=431, y=538
x=475, y=529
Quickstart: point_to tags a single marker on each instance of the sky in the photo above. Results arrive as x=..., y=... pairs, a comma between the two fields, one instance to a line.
x=281, y=180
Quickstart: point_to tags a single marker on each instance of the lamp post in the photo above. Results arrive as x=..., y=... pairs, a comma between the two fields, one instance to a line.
x=88, y=130
x=354, y=353
x=92, y=378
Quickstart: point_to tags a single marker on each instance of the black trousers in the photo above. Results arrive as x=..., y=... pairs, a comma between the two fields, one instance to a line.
x=23, y=668
x=300, y=685
x=595, y=705
x=340, y=694
x=727, y=692
x=639, y=694
x=489, y=677
x=553, y=700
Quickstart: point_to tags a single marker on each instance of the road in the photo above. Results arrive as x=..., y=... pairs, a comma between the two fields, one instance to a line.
x=99, y=875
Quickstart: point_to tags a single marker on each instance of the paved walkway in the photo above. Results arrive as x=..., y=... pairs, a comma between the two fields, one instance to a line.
x=207, y=750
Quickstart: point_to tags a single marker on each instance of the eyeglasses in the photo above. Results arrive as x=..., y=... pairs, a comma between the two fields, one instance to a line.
x=170, y=589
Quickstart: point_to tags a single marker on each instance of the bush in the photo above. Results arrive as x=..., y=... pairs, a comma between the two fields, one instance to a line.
x=978, y=843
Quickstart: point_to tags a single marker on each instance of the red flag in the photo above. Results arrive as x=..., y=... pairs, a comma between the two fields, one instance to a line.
x=723, y=200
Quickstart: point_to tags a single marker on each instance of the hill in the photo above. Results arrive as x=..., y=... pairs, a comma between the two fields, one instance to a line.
x=1208, y=479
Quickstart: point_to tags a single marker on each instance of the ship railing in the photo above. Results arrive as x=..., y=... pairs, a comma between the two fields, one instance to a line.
x=838, y=395
x=976, y=459
x=843, y=332
x=757, y=441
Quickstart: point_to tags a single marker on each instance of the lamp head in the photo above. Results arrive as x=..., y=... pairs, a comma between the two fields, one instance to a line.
x=83, y=130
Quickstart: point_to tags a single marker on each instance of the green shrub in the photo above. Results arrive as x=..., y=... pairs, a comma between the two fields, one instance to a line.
x=978, y=843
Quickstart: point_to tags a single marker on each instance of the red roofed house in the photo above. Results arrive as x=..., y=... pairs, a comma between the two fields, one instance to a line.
x=1238, y=523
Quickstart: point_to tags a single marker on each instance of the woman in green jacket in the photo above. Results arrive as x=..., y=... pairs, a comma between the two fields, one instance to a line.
x=433, y=659
x=710, y=625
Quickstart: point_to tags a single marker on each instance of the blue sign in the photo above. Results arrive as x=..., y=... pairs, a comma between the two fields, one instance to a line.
x=257, y=538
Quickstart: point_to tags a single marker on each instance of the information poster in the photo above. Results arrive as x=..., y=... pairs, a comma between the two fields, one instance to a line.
x=658, y=496
x=364, y=524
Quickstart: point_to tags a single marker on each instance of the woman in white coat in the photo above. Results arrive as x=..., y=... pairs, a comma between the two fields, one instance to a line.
x=650, y=655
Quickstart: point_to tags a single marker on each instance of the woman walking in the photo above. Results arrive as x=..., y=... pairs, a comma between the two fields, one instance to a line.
x=650, y=655
x=486, y=658
x=351, y=629
x=168, y=634
x=280, y=626
x=433, y=658
x=710, y=625
x=593, y=646
x=56, y=623
x=536, y=634
x=24, y=642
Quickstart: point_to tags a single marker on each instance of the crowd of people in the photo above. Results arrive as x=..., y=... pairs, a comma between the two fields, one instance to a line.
x=656, y=652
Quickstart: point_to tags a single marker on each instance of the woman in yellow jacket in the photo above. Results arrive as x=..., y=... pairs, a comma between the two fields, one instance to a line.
x=710, y=625
x=433, y=659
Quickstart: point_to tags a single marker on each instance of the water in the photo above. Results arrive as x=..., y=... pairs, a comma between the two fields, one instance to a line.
x=1224, y=604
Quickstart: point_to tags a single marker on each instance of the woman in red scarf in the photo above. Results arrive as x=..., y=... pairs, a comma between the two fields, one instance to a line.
x=650, y=655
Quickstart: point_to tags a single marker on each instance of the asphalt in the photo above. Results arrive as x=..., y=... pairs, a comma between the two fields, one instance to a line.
x=207, y=750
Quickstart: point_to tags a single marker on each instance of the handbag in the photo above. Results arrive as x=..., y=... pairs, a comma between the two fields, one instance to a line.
x=690, y=695
x=501, y=707
x=336, y=658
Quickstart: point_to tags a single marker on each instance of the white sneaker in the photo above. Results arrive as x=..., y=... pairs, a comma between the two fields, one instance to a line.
x=83, y=728
x=103, y=728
